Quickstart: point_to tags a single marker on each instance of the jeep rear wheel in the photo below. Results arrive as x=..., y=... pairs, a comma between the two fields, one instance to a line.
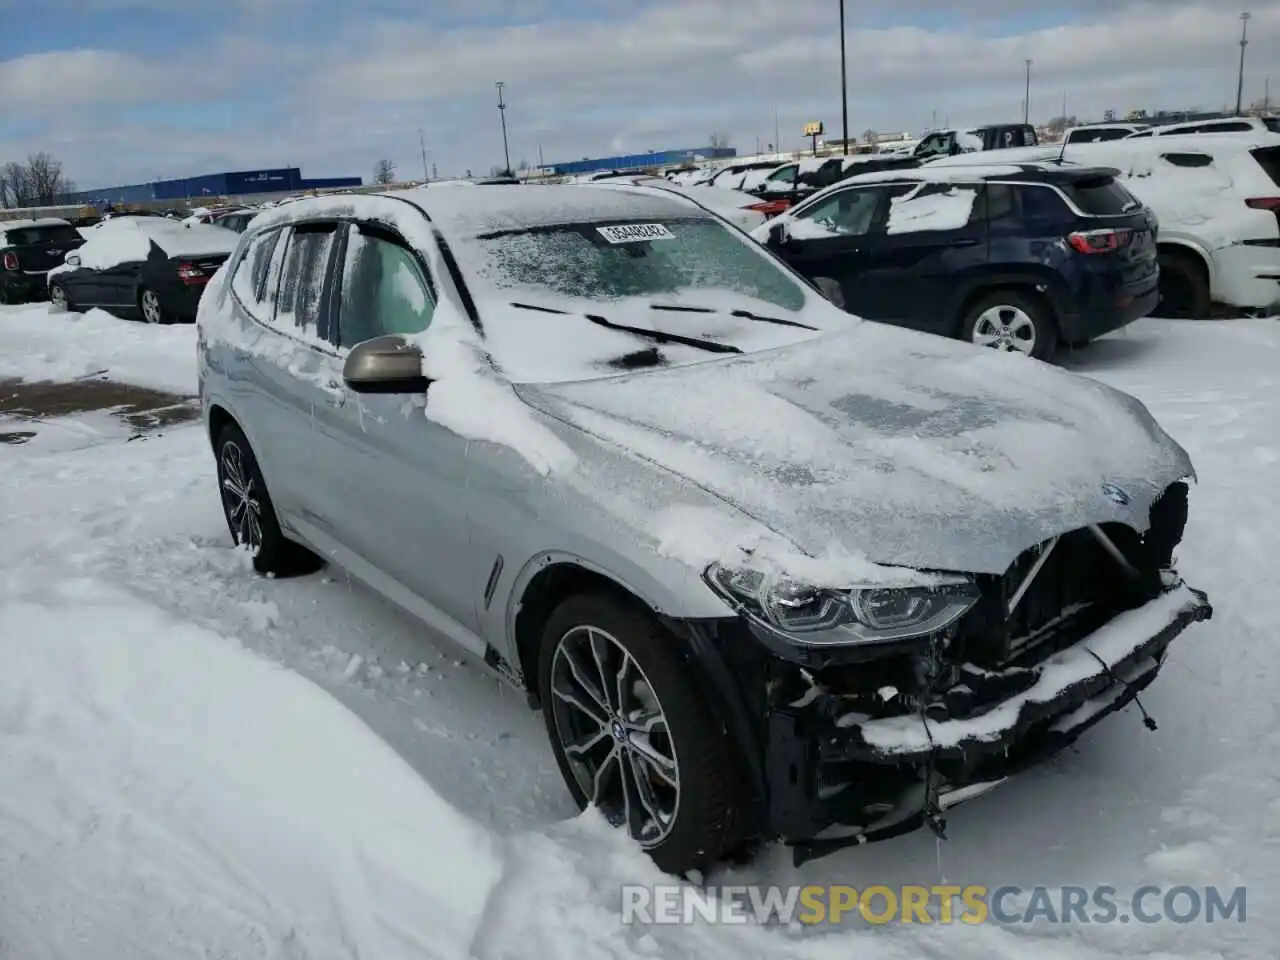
x=634, y=736
x=1012, y=322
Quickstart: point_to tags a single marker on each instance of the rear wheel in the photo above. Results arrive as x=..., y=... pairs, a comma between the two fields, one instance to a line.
x=149, y=304
x=1184, y=286
x=251, y=517
x=1013, y=322
x=634, y=736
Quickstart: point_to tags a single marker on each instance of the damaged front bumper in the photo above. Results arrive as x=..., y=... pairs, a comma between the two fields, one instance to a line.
x=836, y=777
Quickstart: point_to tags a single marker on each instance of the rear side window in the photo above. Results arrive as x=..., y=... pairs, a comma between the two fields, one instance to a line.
x=1272, y=124
x=1101, y=197
x=302, y=282
x=249, y=282
x=1269, y=159
x=1231, y=126
x=1040, y=203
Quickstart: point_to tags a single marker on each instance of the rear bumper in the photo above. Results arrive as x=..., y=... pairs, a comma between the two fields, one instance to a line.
x=25, y=286
x=837, y=779
x=1248, y=276
x=1079, y=323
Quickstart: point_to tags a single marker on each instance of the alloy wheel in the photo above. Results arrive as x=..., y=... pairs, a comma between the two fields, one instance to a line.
x=614, y=734
x=58, y=297
x=240, y=497
x=1005, y=328
x=150, y=307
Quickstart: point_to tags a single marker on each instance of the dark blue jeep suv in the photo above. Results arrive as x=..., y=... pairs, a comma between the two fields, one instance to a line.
x=1018, y=257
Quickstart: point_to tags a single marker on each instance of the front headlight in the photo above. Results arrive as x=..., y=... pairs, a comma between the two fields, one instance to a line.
x=820, y=616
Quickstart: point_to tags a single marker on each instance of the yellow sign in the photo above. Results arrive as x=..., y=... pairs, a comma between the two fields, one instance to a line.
x=813, y=129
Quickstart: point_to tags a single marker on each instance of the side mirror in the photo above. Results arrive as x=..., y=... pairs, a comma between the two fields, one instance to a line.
x=71, y=259
x=385, y=365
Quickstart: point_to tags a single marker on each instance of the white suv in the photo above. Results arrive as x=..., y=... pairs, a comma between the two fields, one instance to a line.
x=1217, y=198
x=1220, y=125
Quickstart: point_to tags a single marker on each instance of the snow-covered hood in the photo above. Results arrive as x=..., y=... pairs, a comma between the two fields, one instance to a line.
x=906, y=448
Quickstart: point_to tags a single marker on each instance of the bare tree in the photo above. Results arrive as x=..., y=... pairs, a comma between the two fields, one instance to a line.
x=384, y=171
x=718, y=140
x=47, y=184
x=39, y=181
x=1059, y=124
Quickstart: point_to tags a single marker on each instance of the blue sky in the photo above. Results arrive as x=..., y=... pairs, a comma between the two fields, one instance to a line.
x=126, y=90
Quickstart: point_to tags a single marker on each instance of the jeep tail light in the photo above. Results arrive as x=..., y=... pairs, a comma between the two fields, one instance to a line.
x=1099, y=241
x=10, y=260
x=1264, y=203
x=189, y=273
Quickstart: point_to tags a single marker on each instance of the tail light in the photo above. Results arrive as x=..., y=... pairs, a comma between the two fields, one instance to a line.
x=10, y=260
x=189, y=274
x=1099, y=241
x=1264, y=203
x=771, y=208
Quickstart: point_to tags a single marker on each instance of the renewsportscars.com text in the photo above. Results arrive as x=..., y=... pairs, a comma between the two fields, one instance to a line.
x=937, y=904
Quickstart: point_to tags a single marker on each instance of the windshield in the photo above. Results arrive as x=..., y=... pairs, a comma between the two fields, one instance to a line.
x=582, y=261
x=576, y=301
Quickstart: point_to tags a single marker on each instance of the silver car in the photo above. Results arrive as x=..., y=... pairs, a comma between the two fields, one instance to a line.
x=770, y=571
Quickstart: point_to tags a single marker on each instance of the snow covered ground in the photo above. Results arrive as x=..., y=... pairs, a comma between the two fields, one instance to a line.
x=196, y=762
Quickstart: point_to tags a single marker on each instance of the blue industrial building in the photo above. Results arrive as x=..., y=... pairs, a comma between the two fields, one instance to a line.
x=231, y=184
x=639, y=161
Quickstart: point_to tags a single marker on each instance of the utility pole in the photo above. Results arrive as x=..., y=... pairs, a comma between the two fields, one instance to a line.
x=844, y=84
x=1026, y=101
x=777, y=132
x=1266, y=95
x=502, y=112
x=1244, y=42
x=422, y=142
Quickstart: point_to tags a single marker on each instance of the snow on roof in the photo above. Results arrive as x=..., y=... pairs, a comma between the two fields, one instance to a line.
x=932, y=173
x=38, y=222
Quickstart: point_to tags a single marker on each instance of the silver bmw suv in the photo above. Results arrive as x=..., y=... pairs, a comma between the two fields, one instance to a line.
x=769, y=571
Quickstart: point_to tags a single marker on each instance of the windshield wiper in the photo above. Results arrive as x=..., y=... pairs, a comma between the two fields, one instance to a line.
x=742, y=314
x=657, y=336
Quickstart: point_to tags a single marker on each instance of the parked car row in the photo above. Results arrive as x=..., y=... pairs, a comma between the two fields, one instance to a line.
x=770, y=572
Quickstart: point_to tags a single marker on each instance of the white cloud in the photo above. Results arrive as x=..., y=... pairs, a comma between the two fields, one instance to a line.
x=658, y=73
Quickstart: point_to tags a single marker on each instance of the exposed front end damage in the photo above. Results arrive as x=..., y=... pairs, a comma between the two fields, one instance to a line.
x=864, y=744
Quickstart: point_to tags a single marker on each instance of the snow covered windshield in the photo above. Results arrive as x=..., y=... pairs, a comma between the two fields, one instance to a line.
x=600, y=261
x=571, y=301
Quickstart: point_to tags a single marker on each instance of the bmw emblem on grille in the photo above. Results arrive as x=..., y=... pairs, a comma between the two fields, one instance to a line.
x=1116, y=495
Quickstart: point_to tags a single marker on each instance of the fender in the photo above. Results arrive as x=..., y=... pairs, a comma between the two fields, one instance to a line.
x=1192, y=245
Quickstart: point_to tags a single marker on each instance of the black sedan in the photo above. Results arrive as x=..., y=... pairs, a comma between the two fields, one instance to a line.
x=142, y=267
x=28, y=249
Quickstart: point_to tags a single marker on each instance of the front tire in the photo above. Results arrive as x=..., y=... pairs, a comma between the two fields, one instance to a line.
x=1012, y=322
x=247, y=506
x=634, y=736
x=58, y=299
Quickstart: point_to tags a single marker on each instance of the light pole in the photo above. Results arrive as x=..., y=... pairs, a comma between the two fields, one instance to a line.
x=422, y=142
x=1026, y=100
x=502, y=112
x=1244, y=42
x=844, y=84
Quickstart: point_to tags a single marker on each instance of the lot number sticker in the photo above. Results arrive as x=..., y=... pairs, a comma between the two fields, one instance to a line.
x=635, y=232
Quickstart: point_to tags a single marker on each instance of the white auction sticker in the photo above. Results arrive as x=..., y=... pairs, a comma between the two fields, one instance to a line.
x=635, y=232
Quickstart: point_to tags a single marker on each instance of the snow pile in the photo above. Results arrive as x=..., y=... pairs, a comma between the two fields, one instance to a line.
x=169, y=792
x=935, y=211
x=107, y=248
x=41, y=345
